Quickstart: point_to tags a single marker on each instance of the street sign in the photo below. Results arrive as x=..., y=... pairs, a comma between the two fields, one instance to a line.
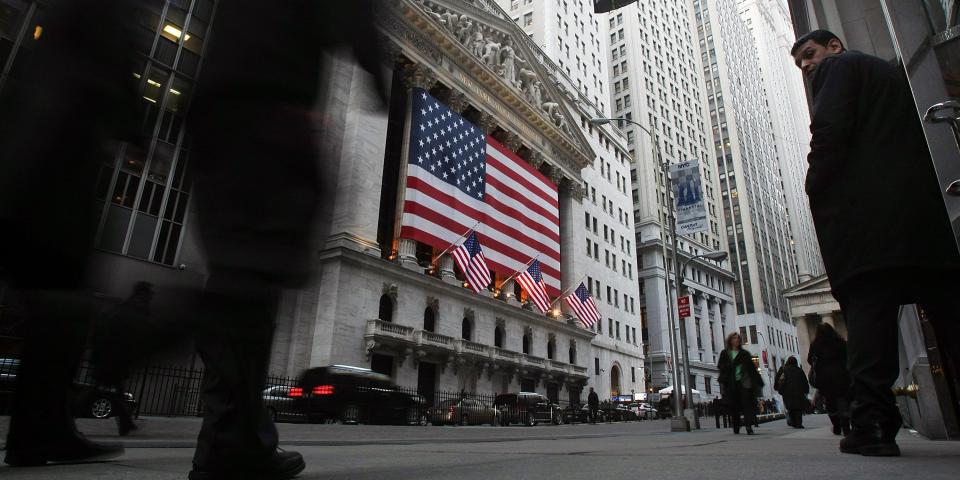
x=683, y=306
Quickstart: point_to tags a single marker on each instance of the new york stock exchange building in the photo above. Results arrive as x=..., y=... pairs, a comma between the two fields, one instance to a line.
x=483, y=135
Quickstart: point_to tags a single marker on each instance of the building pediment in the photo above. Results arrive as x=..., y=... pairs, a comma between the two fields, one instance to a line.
x=475, y=47
x=814, y=285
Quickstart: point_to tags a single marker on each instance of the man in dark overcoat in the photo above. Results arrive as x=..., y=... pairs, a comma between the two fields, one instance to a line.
x=880, y=219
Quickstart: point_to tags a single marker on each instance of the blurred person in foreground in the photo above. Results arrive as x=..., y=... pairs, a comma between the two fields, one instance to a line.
x=828, y=374
x=256, y=193
x=740, y=384
x=881, y=223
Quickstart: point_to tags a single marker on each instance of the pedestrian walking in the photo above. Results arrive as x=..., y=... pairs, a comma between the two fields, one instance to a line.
x=792, y=384
x=740, y=384
x=718, y=412
x=256, y=194
x=829, y=375
x=593, y=403
x=117, y=337
x=871, y=176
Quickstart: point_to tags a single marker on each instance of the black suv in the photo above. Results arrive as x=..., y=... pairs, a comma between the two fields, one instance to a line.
x=527, y=408
x=354, y=395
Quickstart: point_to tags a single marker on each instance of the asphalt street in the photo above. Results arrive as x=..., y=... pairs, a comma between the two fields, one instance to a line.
x=163, y=448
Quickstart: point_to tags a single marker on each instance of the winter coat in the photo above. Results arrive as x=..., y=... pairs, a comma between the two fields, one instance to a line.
x=828, y=357
x=792, y=384
x=593, y=401
x=727, y=376
x=870, y=173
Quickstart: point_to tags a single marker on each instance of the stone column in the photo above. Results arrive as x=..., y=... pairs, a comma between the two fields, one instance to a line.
x=446, y=270
x=507, y=289
x=803, y=339
x=354, y=133
x=408, y=254
x=827, y=318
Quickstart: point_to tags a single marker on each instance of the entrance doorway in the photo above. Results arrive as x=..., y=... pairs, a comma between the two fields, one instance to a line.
x=615, y=381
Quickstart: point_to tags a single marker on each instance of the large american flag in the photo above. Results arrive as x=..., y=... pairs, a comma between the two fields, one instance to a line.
x=532, y=282
x=582, y=303
x=470, y=258
x=458, y=177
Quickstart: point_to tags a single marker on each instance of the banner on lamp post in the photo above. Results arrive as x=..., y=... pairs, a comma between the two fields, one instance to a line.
x=691, y=211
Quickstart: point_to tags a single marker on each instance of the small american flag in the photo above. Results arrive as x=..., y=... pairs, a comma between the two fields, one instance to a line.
x=532, y=282
x=458, y=178
x=582, y=303
x=470, y=259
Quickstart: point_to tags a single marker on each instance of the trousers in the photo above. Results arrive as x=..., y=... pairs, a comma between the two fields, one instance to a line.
x=742, y=402
x=871, y=305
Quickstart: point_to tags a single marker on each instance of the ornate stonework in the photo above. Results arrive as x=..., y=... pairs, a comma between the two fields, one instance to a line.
x=418, y=76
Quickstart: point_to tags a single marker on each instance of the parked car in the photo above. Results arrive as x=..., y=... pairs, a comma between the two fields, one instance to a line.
x=581, y=414
x=89, y=401
x=355, y=395
x=644, y=411
x=279, y=404
x=527, y=408
x=624, y=413
x=463, y=412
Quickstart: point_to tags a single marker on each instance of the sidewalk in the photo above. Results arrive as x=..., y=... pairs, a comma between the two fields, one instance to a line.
x=625, y=450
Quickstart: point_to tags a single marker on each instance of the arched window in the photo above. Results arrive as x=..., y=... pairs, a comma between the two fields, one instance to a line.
x=429, y=320
x=551, y=349
x=498, y=336
x=573, y=353
x=386, y=308
x=467, y=333
x=526, y=343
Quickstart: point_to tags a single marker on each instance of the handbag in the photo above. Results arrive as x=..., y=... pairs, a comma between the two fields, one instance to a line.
x=812, y=377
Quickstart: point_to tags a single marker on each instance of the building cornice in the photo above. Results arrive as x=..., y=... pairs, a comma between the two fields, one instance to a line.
x=405, y=276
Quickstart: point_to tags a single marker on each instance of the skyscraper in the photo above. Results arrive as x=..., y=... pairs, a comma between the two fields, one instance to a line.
x=769, y=22
x=568, y=33
x=752, y=186
x=655, y=80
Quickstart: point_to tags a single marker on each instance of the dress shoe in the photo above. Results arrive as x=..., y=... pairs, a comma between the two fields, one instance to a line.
x=749, y=431
x=870, y=442
x=73, y=449
x=280, y=466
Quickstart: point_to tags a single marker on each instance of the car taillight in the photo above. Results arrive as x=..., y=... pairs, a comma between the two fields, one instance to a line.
x=295, y=392
x=323, y=390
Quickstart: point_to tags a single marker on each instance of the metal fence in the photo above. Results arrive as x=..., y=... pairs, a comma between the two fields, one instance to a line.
x=163, y=390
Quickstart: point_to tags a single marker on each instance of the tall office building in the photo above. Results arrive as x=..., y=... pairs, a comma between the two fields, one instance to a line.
x=568, y=33
x=656, y=81
x=769, y=22
x=755, y=207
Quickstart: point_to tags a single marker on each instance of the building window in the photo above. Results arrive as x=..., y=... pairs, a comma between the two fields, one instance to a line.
x=633, y=374
x=386, y=308
x=596, y=366
x=528, y=19
x=551, y=349
x=498, y=336
x=753, y=334
x=573, y=353
x=429, y=320
x=526, y=343
x=610, y=327
x=708, y=385
x=467, y=329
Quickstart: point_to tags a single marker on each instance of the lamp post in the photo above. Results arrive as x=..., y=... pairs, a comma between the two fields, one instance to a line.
x=681, y=287
x=678, y=422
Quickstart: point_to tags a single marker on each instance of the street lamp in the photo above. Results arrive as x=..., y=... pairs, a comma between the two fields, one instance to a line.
x=718, y=256
x=679, y=422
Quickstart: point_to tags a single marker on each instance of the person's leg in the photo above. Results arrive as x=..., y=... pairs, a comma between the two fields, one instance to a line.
x=749, y=409
x=735, y=409
x=234, y=342
x=871, y=307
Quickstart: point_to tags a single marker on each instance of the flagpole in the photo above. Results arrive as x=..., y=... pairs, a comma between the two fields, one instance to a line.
x=435, y=260
x=511, y=277
x=576, y=285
